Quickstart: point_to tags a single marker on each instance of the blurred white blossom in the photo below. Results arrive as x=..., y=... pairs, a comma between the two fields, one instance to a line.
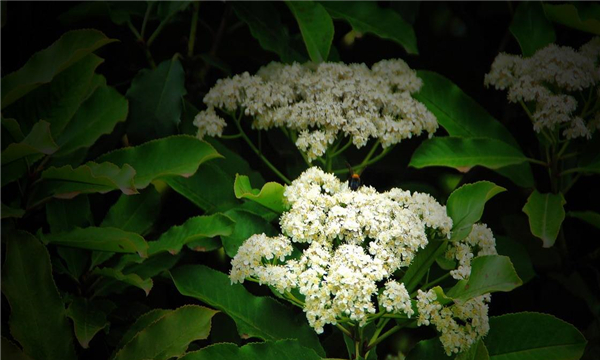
x=320, y=102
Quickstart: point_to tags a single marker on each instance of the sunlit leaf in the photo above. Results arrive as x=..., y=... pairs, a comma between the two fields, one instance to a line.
x=246, y=225
x=270, y=196
x=97, y=238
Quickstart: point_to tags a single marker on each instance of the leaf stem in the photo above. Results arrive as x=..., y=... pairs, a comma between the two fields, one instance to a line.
x=193, y=29
x=146, y=16
x=384, y=336
x=345, y=331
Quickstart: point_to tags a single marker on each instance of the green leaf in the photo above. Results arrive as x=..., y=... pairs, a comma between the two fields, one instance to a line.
x=38, y=141
x=134, y=213
x=246, y=225
x=422, y=263
x=546, y=213
x=140, y=324
x=118, y=12
x=270, y=350
x=97, y=116
x=65, y=215
x=531, y=28
x=428, y=349
x=37, y=319
x=8, y=350
x=89, y=317
x=465, y=206
x=104, y=239
x=490, y=273
x=533, y=336
x=367, y=17
x=462, y=116
x=265, y=25
x=10, y=212
x=131, y=279
x=316, y=27
x=175, y=155
x=590, y=217
x=464, y=153
x=170, y=335
x=584, y=17
x=43, y=66
x=260, y=317
x=193, y=229
x=165, y=10
x=155, y=99
x=270, y=196
x=477, y=351
x=518, y=256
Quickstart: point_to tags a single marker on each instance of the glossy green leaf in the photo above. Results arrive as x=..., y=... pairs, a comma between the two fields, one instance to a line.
x=465, y=206
x=89, y=317
x=580, y=16
x=38, y=141
x=165, y=338
x=10, y=212
x=155, y=99
x=265, y=25
x=531, y=28
x=175, y=155
x=134, y=213
x=316, y=28
x=43, y=66
x=260, y=317
x=37, y=319
x=428, y=349
x=421, y=264
x=477, y=351
x=140, y=324
x=130, y=279
x=269, y=350
x=546, y=213
x=533, y=336
x=490, y=273
x=270, y=196
x=462, y=116
x=97, y=238
x=368, y=17
x=8, y=350
x=246, y=225
x=590, y=217
x=192, y=230
x=518, y=256
x=464, y=153
x=97, y=116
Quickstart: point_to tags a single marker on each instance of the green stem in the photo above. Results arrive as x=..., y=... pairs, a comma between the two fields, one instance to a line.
x=378, y=331
x=345, y=331
x=570, y=171
x=137, y=35
x=370, y=154
x=159, y=29
x=140, y=39
x=385, y=335
x=257, y=152
x=568, y=187
x=146, y=16
x=530, y=116
x=562, y=149
x=536, y=161
x=231, y=137
x=436, y=281
x=570, y=155
x=193, y=28
x=342, y=149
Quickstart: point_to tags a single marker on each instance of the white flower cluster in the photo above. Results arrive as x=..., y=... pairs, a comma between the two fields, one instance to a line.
x=455, y=337
x=480, y=242
x=355, y=239
x=319, y=102
x=549, y=78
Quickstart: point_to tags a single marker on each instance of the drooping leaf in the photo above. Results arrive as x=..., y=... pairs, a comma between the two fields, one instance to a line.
x=270, y=196
x=140, y=324
x=97, y=238
x=590, y=217
x=464, y=153
x=38, y=141
x=155, y=99
x=316, y=28
x=89, y=317
x=37, y=319
x=546, y=213
x=518, y=256
x=8, y=212
x=43, y=66
x=259, y=317
x=134, y=213
x=65, y=215
x=269, y=350
x=533, y=336
x=465, y=206
x=131, y=279
x=175, y=155
x=580, y=16
x=164, y=338
x=265, y=25
x=193, y=229
x=368, y=17
x=246, y=225
x=421, y=264
x=97, y=116
x=490, y=273
x=8, y=350
x=76, y=260
x=531, y=28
